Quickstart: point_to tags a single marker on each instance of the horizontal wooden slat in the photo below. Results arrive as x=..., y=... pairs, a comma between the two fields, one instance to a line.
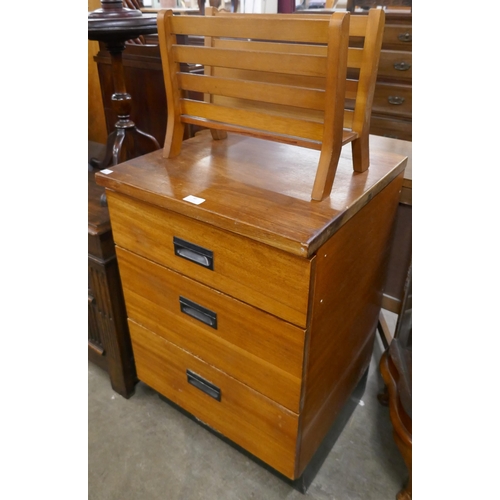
x=253, y=119
x=286, y=111
x=255, y=91
x=309, y=82
x=354, y=54
x=274, y=62
x=357, y=24
x=296, y=48
x=307, y=114
x=282, y=29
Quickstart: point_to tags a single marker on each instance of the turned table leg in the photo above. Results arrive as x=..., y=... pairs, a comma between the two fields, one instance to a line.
x=401, y=421
x=126, y=141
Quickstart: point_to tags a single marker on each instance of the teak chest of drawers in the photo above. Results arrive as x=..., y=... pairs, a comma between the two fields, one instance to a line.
x=255, y=309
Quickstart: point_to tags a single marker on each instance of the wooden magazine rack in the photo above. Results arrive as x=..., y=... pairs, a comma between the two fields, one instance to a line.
x=280, y=77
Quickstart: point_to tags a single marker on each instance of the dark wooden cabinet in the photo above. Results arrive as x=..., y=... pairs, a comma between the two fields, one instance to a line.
x=392, y=103
x=109, y=340
x=144, y=81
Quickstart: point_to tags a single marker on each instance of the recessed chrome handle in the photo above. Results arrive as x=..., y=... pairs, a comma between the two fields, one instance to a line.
x=194, y=253
x=203, y=385
x=198, y=312
x=402, y=66
x=393, y=99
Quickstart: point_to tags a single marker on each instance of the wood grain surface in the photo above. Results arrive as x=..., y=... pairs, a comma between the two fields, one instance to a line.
x=248, y=418
x=256, y=348
x=256, y=188
x=258, y=274
x=349, y=278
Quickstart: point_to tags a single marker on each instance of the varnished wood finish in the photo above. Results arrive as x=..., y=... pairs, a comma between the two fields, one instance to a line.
x=251, y=420
x=345, y=308
x=250, y=185
x=394, y=79
x=113, y=25
x=96, y=119
x=258, y=279
x=257, y=215
x=269, y=360
x=144, y=77
x=254, y=104
x=388, y=118
x=401, y=420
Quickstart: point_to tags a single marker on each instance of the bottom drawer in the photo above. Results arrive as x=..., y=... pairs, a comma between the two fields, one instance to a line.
x=256, y=423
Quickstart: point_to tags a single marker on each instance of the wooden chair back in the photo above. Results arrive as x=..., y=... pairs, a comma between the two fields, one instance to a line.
x=274, y=76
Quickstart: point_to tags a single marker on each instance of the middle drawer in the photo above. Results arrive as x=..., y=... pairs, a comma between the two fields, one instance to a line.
x=254, y=347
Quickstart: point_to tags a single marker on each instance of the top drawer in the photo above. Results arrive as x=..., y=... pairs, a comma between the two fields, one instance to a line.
x=397, y=37
x=257, y=274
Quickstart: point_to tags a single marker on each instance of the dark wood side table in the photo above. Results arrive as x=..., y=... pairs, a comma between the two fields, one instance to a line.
x=109, y=339
x=113, y=25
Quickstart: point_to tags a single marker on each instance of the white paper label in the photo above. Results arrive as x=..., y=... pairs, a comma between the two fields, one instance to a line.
x=106, y=171
x=194, y=199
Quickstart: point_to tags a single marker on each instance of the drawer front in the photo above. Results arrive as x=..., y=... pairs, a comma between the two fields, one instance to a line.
x=397, y=37
x=254, y=347
x=265, y=277
x=395, y=64
x=262, y=427
x=394, y=100
x=388, y=127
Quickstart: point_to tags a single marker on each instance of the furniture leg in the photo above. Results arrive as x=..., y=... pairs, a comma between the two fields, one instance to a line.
x=405, y=450
x=126, y=141
x=360, y=154
x=100, y=164
x=400, y=420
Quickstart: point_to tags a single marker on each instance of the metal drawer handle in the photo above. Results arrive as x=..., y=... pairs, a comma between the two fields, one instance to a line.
x=402, y=66
x=404, y=37
x=396, y=100
x=203, y=385
x=194, y=253
x=198, y=312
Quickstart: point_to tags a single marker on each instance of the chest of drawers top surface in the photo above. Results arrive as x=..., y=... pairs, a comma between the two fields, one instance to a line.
x=256, y=188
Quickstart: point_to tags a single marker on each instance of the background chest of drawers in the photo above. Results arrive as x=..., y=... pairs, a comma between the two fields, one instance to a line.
x=254, y=311
x=392, y=103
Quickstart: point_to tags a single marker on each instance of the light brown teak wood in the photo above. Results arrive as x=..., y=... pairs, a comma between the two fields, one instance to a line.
x=278, y=77
x=269, y=360
x=243, y=415
x=296, y=286
x=258, y=279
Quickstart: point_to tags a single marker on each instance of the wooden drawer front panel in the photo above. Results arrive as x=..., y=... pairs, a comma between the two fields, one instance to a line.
x=398, y=129
x=394, y=100
x=395, y=64
x=262, y=276
x=254, y=347
x=397, y=37
x=264, y=428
